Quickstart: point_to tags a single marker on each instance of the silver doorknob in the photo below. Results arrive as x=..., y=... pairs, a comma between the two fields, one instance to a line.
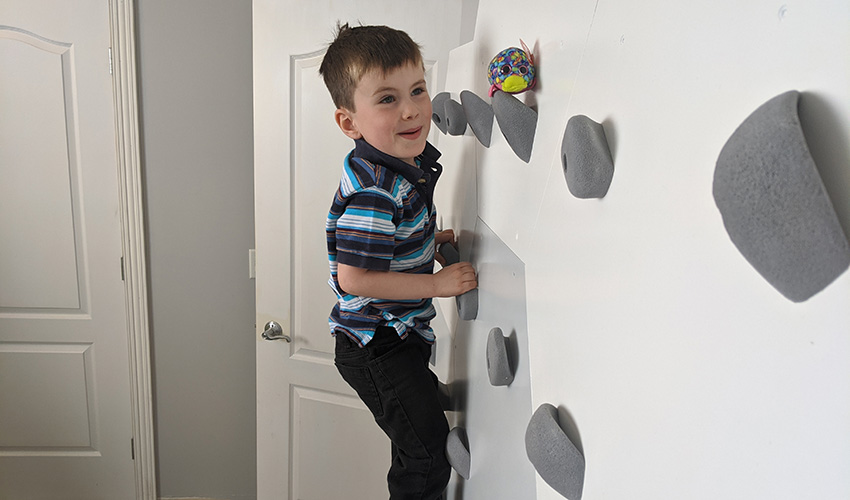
x=273, y=331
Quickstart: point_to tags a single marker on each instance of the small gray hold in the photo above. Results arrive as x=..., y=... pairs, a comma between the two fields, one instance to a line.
x=450, y=253
x=498, y=362
x=480, y=116
x=586, y=158
x=444, y=396
x=467, y=305
x=438, y=111
x=457, y=451
x=517, y=122
x=553, y=455
x=455, y=118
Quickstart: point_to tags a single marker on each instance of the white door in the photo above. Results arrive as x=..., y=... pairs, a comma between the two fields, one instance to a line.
x=65, y=410
x=315, y=439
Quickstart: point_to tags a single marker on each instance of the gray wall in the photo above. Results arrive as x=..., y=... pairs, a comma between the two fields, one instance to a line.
x=196, y=99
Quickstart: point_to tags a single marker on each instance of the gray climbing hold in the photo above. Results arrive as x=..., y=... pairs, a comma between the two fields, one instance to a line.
x=450, y=253
x=457, y=451
x=774, y=204
x=438, y=111
x=455, y=118
x=553, y=455
x=444, y=396
x=517, y=122
x=587, y=162
x=467, y=305
x=479, y=115
x=498, y=363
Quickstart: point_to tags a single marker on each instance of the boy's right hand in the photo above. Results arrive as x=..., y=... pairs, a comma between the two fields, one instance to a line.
x=455, y=279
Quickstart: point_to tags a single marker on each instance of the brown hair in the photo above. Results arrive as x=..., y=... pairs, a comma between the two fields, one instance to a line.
x=356, y=51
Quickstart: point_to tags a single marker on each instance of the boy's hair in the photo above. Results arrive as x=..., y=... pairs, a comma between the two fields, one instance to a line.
x=359, y=50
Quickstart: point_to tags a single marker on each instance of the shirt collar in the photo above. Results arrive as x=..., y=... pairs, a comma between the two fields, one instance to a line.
x=428, y=161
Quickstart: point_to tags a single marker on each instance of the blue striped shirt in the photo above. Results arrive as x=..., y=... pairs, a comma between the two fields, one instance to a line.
x=382, y=218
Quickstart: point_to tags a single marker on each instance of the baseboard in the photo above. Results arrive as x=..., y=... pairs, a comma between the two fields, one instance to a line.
x=238, y=497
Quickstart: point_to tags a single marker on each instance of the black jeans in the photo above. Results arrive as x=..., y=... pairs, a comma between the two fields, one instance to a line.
x=391, y=375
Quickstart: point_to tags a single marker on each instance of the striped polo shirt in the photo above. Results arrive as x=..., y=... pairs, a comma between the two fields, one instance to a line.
x=382, y=218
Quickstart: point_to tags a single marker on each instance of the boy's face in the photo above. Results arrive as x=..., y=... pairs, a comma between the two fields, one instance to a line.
x=393, y=112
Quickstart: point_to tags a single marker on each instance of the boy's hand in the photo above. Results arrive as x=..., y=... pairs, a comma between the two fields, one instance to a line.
x=454, y=280
x=447, y=236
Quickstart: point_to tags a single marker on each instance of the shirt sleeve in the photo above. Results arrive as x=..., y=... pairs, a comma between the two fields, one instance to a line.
x=365, y=233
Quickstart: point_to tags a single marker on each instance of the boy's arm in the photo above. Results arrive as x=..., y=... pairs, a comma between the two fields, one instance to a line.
x=389, y=285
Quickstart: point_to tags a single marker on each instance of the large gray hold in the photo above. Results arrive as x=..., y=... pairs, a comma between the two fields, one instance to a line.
x=553, y=455
x=479, y=115
x=586, y=158
x=517, y=122
x=457, y=451
x=438, y=111
x=774, y=204
x=498, y=362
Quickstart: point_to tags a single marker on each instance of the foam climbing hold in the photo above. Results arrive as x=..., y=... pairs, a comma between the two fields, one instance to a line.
x=479, y=115
x=450, y=253
x=444, y=396
x=774, y=204
x=455, y=118
x=517, y=122
x=498, y=363
x=457, y=451
x=467, y=305
x=586, y=158
x=553, y=455
x=438, y=111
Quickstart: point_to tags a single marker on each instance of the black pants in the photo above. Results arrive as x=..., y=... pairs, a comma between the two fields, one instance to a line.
x=391, y=375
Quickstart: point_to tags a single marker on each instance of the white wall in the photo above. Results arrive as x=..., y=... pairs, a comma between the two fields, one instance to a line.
x=196, y=102
x=686, y=373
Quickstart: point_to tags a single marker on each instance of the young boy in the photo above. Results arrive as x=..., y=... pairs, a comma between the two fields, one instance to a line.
x=381, y=248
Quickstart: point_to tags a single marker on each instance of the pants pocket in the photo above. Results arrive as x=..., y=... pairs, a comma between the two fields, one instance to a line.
x=360, y=379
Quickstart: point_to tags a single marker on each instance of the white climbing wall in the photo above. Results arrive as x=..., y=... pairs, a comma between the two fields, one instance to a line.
x=685, y=373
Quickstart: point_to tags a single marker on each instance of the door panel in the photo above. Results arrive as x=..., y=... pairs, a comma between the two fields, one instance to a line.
x=55, y=412
x=315, y=178
x=325, y=423
x=40, y=268
x=313, y=187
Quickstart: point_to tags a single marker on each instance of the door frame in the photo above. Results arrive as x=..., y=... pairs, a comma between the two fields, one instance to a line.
x=125, y=96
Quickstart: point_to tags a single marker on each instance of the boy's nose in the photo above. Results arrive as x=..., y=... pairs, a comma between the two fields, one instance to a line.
x=410, y=109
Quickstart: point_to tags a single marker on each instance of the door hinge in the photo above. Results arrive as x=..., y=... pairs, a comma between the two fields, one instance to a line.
x=132, y=449
x=110, y=60
x=122, y=268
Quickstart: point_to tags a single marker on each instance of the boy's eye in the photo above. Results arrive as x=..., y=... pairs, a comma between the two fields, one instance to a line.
x=418, y=91
x=387, y=99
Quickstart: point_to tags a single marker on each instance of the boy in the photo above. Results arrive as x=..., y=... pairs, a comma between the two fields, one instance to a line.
x=381, y=248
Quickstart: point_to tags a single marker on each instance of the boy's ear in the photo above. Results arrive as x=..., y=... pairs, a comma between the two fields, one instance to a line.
x=345, y=120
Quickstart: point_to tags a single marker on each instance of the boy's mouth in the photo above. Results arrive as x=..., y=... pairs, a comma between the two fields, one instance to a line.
x=412, y=133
